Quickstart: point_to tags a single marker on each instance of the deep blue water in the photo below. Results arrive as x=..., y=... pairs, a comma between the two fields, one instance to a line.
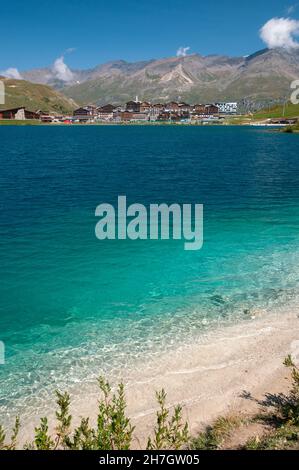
x=72, y=306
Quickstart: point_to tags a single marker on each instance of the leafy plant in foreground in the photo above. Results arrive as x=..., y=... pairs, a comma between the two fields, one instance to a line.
x=64, y=419
x=290, y=409
x=13, y=439
x=113, y=431
x=170, y=432
x=42, y=440
x=286, y=417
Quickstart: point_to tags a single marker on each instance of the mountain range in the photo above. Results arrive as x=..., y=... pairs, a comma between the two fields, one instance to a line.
x=263, y=76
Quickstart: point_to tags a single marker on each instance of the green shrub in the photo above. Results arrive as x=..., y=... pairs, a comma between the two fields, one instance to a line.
x=290, y=408
x=13, y=439
x=170, y=432
x=285, y=435
x=42, y=440
x=113, y=429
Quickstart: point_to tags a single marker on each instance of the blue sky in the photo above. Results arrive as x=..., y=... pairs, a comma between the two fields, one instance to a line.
x=35, y=32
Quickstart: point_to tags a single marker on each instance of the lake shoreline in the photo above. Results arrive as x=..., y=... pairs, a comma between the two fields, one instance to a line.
x=18, y=123
x=226, y=372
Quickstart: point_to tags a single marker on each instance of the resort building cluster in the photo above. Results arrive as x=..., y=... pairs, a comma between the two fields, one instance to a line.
x=145, y=111
x=132, y=111
x=140, y=112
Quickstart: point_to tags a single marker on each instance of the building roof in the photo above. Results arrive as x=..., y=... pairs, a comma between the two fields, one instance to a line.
x=14, y=109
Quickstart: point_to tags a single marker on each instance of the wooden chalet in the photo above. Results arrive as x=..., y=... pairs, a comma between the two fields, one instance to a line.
x=20, y=113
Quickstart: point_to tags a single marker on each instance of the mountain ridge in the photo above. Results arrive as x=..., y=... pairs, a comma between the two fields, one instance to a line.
x=263, y=75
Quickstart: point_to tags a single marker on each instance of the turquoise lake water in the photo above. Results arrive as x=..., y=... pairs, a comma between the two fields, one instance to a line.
x=73, y=306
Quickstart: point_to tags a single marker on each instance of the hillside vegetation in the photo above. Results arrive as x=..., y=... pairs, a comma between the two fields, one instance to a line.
x=288, y=111
x=35, y=96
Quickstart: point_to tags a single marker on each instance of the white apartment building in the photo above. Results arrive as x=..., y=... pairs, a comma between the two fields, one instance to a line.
x=228, y=108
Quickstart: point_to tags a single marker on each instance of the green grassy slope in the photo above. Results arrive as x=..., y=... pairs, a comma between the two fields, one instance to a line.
x=290, y=111
x=34, y=96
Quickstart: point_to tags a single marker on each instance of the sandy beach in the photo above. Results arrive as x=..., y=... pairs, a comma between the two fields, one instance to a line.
x=226, y=372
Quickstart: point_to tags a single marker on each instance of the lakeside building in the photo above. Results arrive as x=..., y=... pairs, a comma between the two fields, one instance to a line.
x=140, y=117
x=227, y=108
x=185, y=107
x=107, y=108
x=170, y=116
x=155, y=111
x=199, y=109
x=206, y=109
x=145, y=107
x=46, y=117
x=85, y=113
x=172, y=107
x=105, y=113
x=18, y=114
x=211, y=109
x=133, y=106
x=123, y=116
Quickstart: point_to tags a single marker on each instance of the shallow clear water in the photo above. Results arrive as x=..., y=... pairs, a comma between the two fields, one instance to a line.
x=73, y=307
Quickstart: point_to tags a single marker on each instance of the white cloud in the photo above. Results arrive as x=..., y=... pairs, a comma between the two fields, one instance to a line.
x=11, y=73
x=292, y=8
x=62, y=71
x=69, y=50
x=182, y=51
x=280, y=32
